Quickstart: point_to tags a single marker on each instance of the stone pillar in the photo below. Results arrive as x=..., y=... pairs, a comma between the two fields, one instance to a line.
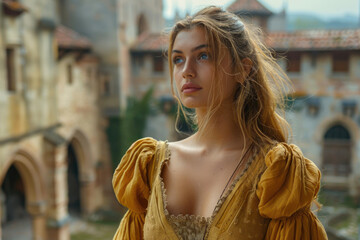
x=38, y=223
x=58, y=229
x=55, y=152
x=37, y=211
x=87, y=186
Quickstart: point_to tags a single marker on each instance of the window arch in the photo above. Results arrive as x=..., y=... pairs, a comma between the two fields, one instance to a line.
x=337, y=132
x=337, y=151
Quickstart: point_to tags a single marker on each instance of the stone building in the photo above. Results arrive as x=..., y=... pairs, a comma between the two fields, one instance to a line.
x=324, y=68
x=149, y=69
x=67, y=68
x=54, y=158
x=115, y=26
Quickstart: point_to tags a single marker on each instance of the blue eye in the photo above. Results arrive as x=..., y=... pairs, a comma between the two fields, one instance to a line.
x=204, y=56
x=177, y=60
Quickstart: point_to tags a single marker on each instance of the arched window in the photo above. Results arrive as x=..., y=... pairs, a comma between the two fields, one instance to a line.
x=337, y=151
x=74, y=204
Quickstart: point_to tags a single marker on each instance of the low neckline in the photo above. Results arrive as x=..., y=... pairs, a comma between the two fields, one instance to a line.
x=238, y=179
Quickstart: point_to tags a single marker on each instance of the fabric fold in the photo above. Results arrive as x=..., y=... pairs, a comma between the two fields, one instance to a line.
x=286, y=190
x=130, y=226
x=303, y=225
x=132, y=182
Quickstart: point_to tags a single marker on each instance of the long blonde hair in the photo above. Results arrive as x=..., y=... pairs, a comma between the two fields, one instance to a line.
x=259, y=95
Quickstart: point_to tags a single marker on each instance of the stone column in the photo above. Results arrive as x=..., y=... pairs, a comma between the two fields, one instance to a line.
x=55, y=152
x=87, y=185
x=39, y=227
x=58, y=229
x=37, y=211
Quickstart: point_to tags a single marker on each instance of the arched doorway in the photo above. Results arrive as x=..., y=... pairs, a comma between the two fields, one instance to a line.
x=74, y=203
x=337, y=151
x=23, y=194
x=13, y=192
x=81, y=175
x=15, y=220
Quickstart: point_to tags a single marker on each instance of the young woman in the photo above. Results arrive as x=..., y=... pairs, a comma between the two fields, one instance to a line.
x=236, y=177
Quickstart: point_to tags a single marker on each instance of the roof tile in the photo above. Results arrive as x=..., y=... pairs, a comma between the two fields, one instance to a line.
x=308, y=40
x=150, y=42
x=315, y=40
x=69, y=39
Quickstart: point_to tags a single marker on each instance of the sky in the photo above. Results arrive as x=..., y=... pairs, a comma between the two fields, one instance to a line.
x=320, y=8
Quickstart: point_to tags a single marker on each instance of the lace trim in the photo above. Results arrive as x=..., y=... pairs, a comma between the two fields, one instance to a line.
x=200, y=221
x=189, y=227
x=163, y=190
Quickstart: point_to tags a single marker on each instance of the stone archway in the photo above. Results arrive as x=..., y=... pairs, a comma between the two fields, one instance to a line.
x=81, y=173
x=28, y=176
x=337, y=150
x=13, y=192
x=13, y=207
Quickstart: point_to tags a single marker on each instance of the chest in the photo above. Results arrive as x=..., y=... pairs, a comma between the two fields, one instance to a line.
x=236, y=218
x=195, y=184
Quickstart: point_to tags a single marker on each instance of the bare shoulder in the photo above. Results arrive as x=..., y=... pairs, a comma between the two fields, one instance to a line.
x=183, y=146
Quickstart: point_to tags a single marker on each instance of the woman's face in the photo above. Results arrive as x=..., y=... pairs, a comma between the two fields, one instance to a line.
x=194, y=70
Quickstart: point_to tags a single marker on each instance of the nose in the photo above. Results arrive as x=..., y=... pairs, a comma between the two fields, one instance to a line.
x=189, y=69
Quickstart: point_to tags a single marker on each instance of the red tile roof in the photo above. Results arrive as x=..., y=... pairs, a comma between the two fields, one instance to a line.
x=13, y=8
x=69, y=39
x=150, y=42
x=308, y=40
x=248, y=6
x=315, y=40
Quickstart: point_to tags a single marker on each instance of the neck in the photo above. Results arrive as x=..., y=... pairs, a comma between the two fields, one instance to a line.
x=221, y=131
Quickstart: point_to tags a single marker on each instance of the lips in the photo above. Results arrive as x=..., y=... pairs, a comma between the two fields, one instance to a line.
x=190, y=87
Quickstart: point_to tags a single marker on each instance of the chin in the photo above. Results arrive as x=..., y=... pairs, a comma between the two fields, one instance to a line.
x=192, y=104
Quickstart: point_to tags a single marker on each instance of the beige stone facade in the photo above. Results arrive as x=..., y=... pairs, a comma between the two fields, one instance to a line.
x=148, y=18
x=49, y=114
x=62, y=75
x=325, y=116
x=115, y=26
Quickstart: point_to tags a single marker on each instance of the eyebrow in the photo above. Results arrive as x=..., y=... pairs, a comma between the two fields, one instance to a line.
x=194, y=49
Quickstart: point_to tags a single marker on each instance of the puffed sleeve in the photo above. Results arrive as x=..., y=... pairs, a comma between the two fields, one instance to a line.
x=132, y=183
x=286, y=190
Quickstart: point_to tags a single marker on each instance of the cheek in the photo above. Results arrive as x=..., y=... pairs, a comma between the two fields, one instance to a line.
x=177, y=80
x=229, y=86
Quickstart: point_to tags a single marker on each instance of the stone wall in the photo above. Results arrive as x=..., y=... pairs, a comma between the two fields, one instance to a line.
x=326, y=93
x=43, y=115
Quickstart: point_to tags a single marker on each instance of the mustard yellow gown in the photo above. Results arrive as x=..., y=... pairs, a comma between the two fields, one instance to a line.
x=271, y=200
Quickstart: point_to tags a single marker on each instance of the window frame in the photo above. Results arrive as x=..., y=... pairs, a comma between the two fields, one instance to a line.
x=11, y=79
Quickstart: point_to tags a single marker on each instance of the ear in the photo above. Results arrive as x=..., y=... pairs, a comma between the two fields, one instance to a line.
x=247, y=65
